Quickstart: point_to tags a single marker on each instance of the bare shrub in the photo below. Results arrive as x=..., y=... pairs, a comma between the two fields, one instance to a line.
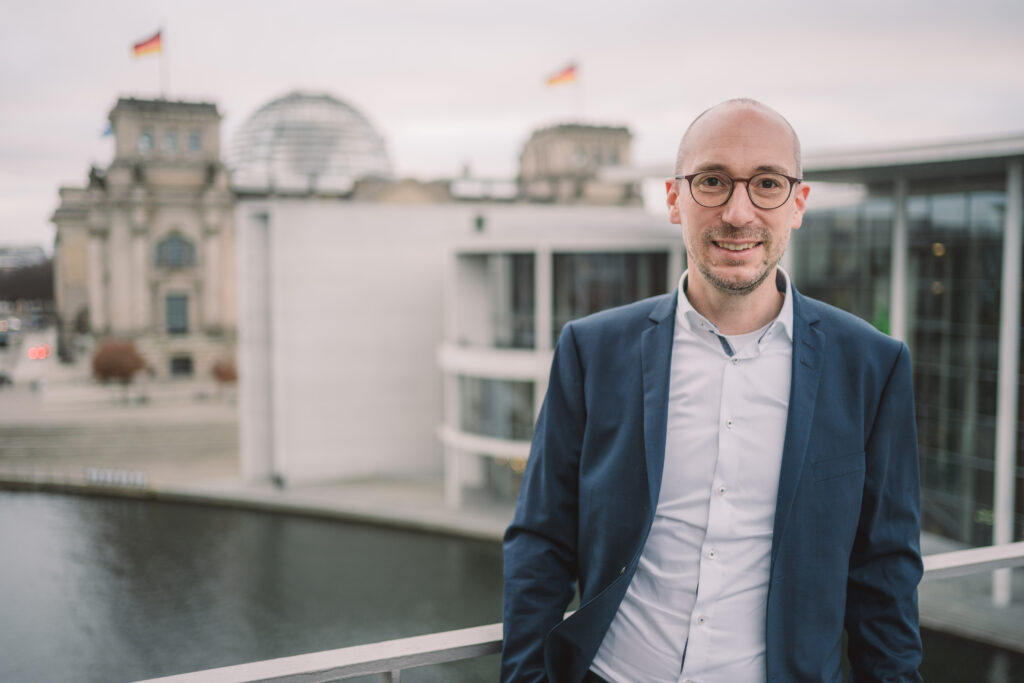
x=116, y=360
x=225, y=371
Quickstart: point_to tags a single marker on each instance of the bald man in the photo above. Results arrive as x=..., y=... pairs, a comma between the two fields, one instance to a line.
x=727, y=473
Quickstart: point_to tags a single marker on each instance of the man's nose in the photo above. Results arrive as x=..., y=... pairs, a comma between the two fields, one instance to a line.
x=739, y=210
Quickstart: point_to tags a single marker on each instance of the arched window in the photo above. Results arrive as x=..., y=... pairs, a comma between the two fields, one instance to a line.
x=175, y=252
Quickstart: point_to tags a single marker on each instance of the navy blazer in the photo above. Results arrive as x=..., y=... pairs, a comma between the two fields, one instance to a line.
x=845, y=549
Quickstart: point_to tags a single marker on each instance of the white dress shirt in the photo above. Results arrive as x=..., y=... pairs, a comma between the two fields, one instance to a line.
x=695, y=609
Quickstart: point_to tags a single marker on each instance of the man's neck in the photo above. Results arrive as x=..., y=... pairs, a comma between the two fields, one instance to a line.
x=735, y=313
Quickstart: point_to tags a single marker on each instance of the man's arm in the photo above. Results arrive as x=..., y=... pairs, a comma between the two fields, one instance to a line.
x=885, y=563
x=540, y=545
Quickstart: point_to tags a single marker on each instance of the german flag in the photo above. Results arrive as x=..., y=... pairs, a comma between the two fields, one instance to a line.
x=566, y=75
x=149, y=46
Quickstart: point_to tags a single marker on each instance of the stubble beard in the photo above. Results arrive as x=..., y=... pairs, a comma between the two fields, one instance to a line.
x=733, y=287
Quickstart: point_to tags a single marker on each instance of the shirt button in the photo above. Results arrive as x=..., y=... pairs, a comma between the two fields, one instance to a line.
x=721, y=490
x=728, y=423
x=712, y=554
x=702, y=620
x=735, y=361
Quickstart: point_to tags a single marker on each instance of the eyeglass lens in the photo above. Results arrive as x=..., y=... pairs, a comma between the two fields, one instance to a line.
x=766, y=190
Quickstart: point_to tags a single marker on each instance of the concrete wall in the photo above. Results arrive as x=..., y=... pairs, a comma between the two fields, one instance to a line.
x=340, y=308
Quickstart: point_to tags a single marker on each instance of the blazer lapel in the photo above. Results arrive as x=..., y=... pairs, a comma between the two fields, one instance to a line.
x=808, y=352
x=656, y=360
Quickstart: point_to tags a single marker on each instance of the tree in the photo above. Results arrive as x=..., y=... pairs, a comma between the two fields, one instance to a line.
x=116, y=359
x=225, y=372
x=28, y=283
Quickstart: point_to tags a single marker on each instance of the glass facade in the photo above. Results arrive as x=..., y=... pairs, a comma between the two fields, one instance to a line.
x=584, y=283
x=500, y=409
x=512, y=306
x=954, y=270
x=843, y=256
x=307, y=141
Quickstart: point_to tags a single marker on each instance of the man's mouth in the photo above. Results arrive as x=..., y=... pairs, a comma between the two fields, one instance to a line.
x=736, y=246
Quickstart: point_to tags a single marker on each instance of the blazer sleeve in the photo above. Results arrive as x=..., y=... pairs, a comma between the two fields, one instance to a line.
x=540, y=557
x=885, y=562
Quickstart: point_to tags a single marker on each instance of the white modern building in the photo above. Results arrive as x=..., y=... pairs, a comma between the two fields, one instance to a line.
x=509, y=291
x=369, y=329
x=405, y=328
x=353, y=285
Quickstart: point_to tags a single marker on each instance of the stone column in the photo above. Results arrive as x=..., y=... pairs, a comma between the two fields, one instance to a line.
x=212, y=274
x=140, y=277
x=98, y=319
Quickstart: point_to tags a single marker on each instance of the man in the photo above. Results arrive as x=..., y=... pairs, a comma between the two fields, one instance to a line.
x=728, y=472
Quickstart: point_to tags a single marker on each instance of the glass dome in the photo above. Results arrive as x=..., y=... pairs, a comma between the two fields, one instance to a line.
x=308, y=143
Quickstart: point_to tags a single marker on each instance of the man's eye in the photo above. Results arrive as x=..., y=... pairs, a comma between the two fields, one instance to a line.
x=711, y=182
x=769, y=184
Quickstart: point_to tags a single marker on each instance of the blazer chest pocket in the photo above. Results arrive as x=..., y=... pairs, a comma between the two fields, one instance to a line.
x=840, y=466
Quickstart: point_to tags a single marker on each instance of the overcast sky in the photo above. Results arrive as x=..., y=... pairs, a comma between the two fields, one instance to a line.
x=454, y=82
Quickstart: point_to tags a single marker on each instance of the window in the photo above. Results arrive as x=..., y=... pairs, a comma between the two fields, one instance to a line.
x=501, y=409
x=195, y=141
x=175, y=252
x=584, y=283
x=170, y=141
x=512, y=278
x=146, y=141
x=177, y=314
x=181, y=366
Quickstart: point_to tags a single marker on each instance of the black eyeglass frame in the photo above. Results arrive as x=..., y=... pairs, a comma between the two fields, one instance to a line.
x=689, y=181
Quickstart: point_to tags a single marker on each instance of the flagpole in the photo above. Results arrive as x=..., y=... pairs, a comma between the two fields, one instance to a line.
x=580, y=100
x=163, y=65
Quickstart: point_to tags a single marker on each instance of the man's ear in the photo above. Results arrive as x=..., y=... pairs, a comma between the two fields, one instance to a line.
x=800, y=204
x=672, y=199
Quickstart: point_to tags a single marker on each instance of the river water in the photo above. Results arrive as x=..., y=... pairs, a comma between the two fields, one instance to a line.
x=109, y=590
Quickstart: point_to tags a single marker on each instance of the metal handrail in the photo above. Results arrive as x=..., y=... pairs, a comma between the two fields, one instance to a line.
x=387, y=658
x=390, y=657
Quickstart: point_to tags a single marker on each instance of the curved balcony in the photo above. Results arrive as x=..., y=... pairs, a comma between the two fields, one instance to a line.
x=494, y=363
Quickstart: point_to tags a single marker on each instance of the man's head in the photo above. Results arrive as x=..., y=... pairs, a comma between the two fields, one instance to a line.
x=736, y=246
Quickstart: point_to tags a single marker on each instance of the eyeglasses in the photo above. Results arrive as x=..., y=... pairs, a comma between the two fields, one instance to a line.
x=714, y=188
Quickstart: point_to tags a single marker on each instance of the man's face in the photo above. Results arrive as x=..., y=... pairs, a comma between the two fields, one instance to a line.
x=736, y=246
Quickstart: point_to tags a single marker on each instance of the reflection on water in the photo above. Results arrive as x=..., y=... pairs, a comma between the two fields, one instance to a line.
x=97, y=589
x=115, y=590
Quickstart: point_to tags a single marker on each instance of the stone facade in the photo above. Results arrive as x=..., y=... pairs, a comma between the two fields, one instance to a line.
x=575, y=163
x=146, y=250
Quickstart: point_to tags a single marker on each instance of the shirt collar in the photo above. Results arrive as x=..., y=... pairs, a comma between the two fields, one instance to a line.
x=688, y=315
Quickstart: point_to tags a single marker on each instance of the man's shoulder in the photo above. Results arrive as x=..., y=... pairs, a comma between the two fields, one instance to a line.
x=626, y=316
